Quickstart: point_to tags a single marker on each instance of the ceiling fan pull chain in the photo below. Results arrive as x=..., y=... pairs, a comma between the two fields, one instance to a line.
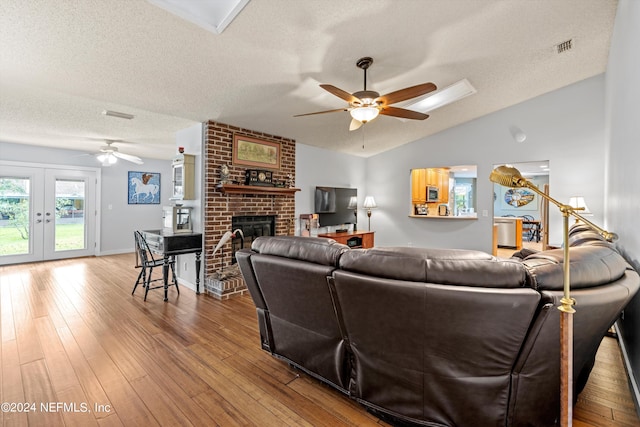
x=363, y=131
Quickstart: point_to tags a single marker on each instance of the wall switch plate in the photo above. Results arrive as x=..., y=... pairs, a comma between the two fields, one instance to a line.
x=485, y=212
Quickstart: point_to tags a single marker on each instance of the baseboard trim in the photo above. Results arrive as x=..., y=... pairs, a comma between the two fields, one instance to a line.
x=633, y=381
x=115, y=252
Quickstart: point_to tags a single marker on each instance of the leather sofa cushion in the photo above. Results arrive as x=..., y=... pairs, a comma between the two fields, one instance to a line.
x=590, y=265
x=310, y=249
x=443, y=266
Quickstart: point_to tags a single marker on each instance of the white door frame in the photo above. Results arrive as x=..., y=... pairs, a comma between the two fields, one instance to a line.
x=95, y=232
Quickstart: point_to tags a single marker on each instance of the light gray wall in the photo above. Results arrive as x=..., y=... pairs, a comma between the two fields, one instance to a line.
x=319, y=167
x=118, y=218
x=191, y=139
x=565, y=127
x=623, y=154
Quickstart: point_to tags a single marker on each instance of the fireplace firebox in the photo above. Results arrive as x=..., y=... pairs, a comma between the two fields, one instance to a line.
x=252, y=226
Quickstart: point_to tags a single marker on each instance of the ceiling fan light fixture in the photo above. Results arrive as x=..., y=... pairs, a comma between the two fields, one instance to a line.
x=445, y=96
x=364, y=114
x=107, y=159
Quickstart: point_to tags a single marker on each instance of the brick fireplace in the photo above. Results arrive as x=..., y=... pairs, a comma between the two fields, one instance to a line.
x=220, y=209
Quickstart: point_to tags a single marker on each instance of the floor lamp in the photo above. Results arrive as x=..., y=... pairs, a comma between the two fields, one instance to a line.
x=511, y=177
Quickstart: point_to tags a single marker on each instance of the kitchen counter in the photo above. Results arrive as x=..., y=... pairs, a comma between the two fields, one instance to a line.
x=474, y=216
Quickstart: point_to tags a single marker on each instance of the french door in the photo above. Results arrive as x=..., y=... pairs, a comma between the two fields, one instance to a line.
x=46, y=213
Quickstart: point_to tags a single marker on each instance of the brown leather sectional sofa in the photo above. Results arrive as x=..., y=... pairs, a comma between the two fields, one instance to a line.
x=436, y=337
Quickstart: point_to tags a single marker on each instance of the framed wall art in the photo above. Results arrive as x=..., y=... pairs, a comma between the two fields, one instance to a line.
x=521, y=199
x=248, y=151
x=143, y=188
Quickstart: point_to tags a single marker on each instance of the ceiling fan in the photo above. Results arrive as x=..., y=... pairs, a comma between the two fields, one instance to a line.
x=109, y=155
x=365, y=105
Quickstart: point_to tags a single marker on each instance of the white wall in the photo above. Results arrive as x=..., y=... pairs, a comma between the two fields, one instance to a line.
x=565, y=127
x=623, y=168
x=191, y=139
x=118, y=218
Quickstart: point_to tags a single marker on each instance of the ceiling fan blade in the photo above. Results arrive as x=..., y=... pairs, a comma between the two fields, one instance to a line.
x=406, y=93
x=128, y=157
x=321, y=112
x=355, y=124
x=403, y=113
x=340, y=93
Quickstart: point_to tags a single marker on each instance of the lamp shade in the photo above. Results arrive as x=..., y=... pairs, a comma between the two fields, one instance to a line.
x=353, y=203
x=369, y=202
x=579, y=203
x=364, y=114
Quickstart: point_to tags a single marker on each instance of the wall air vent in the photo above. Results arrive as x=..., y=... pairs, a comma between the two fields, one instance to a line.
x=564, y=46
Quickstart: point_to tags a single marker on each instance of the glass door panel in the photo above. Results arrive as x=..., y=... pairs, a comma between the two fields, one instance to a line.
x=15, y=204
x=21, y=220
x=69, y=213
x=69, y=218
x=46, y=213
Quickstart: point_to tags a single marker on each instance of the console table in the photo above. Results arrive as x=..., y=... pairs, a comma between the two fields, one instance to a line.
x=356, y=239
x=170, y=244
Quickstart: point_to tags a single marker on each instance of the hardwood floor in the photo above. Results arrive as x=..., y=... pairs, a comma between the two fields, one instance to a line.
x=77, y=349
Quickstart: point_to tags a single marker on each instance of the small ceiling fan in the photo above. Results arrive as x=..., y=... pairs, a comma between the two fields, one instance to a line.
x=365, y=105
x=109, y=155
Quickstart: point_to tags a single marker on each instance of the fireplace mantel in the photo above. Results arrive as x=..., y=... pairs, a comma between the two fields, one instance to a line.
x=255, y=189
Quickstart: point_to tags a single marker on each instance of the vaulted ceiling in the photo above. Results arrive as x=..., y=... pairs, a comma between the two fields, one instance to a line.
x=62, y=63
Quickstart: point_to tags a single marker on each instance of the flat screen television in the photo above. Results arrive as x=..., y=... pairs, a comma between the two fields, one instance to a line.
x=331, y=203
x=325, y=200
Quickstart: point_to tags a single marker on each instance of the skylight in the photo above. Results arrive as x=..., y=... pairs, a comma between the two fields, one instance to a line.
x=212, y=15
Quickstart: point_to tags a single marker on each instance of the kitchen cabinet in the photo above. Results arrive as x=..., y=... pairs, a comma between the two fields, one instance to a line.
x=436, y=177
x=443, y=184
x=418, y=186
x=432, y=177
x=183, y=176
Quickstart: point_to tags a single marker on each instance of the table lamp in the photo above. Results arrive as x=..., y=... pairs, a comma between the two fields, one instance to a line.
x=369, y=203
x=578, y=204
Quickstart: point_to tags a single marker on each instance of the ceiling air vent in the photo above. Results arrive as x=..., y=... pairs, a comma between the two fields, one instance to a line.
x=564, y=46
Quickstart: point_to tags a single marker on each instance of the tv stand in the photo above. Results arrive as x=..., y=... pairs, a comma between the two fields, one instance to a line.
x=356, y=239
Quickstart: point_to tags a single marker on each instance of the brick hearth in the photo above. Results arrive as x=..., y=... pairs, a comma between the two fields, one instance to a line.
x=220, y=208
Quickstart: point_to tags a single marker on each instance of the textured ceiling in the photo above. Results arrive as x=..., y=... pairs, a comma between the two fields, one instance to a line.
x=63, y=62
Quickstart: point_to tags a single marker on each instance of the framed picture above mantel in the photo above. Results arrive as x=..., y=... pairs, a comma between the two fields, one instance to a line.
x=249, y=151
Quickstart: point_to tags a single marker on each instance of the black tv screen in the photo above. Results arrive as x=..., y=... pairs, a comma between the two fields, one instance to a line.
x=332, y=205
x=325, y=200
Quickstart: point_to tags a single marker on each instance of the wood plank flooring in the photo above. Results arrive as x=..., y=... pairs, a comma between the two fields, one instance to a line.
x=79, y=348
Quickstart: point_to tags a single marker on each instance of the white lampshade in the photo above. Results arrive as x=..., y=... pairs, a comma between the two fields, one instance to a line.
x=578, y=202
x=369, y=202
x=364, y=114
x=353, y=203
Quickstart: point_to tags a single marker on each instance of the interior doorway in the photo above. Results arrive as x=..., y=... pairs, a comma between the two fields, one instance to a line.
x=46, y=213
x=520, y=215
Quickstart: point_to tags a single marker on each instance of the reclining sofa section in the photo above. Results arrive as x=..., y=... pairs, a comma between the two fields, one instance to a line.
x=436, y=337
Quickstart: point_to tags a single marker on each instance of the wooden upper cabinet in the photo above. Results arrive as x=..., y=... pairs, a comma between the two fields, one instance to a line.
x=436, y=177
x=418, y=186
x=183, y=179
x=443, y=184
x=433, y=178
